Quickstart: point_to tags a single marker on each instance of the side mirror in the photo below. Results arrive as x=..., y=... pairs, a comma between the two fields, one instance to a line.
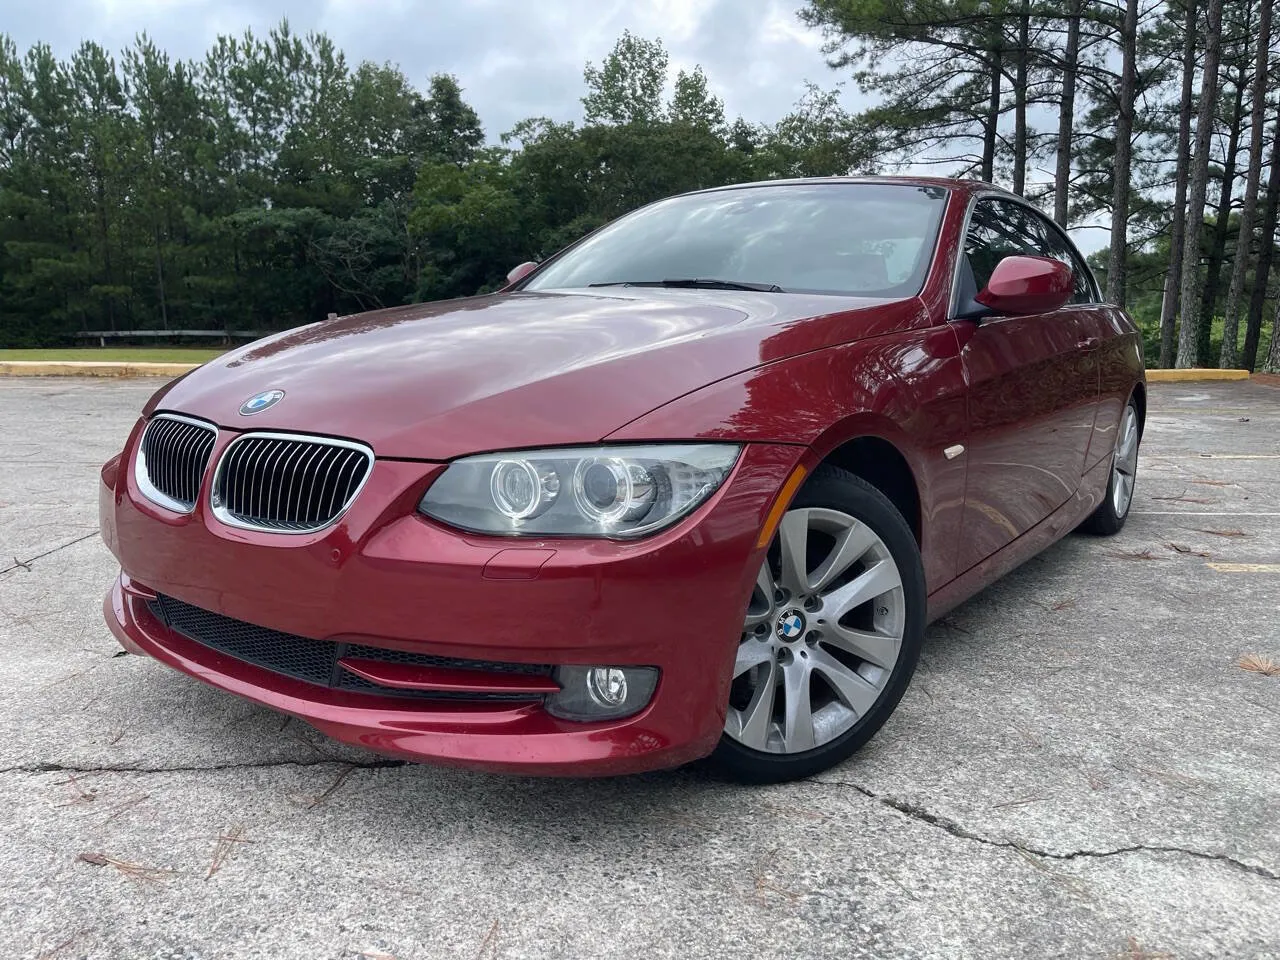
x=1027, y=285
x=522, y=271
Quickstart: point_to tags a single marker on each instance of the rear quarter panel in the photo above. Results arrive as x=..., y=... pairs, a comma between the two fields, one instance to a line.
x=1120, y=367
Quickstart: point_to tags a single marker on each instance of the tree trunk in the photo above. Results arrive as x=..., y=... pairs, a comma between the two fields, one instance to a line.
x=1266, y=253
x=992, y=122
x=1244, y=238
x=164, y=307
x=1067, y=114
x=1272, y=363
x=1189, y=333
x=1221, y=224
x=104, y=237
x=1020, y=101
x=1118, y=256
x=1177, y=229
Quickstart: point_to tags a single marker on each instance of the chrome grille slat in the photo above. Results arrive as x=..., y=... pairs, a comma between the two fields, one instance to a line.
x=242, y=478
x=255, y=505
x=288, y=483
x=177, y=465
x=305, y=485
x=338, y=478
x=275, y=501
x=195, y=466
x=331, y=462
x=288, y=480
x=171, y=460
x=184, y=464
x=164, y=464
x=176, y=468
x=253, y=469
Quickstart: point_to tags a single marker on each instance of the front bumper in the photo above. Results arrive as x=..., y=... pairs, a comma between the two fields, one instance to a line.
x=386, y=577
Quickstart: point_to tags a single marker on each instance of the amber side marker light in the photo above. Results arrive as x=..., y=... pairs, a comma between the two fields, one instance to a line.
x=780, y=506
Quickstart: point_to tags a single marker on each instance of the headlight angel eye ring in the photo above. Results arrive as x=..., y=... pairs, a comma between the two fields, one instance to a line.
x=522, y=490
x=610, y=490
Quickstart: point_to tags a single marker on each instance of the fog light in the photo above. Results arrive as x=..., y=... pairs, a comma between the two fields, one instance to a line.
x=601, y=693
x=607, y=686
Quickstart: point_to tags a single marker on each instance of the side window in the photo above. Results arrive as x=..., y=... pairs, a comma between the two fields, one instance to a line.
x=1059, y=248
x=1000, y=228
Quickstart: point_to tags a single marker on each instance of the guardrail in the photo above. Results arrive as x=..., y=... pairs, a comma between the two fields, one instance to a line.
x=102, y=336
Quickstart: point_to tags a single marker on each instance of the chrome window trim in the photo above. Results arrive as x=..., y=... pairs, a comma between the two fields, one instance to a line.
x=978, y=197
x=143, y=480
x=224, y=516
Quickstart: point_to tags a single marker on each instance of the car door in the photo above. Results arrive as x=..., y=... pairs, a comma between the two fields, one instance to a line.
x=1032, y=384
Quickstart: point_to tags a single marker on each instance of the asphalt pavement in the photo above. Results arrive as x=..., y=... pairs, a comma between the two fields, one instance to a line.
x=1080, y=769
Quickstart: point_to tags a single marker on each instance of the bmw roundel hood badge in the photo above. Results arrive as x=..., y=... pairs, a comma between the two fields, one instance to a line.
x=261, y=401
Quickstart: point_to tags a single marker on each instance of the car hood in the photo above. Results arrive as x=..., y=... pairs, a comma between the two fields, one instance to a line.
x=436, y=381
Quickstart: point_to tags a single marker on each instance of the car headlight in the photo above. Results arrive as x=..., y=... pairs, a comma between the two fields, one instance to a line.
x=617, y=492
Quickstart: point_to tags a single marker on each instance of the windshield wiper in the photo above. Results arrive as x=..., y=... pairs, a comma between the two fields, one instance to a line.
x=695, y=282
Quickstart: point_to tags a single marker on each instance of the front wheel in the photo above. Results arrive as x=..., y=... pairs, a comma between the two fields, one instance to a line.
x=1109, y=516
x=831, y=635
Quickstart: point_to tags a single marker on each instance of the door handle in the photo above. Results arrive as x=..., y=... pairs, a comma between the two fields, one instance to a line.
x=1088, y=343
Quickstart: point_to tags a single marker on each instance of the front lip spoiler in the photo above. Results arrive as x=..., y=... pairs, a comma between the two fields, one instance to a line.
x=402, y=676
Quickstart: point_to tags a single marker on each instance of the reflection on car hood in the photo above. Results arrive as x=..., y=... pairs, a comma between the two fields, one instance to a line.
x=438, y=380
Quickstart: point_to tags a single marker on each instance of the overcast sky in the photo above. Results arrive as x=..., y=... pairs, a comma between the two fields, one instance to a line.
x=514, y=58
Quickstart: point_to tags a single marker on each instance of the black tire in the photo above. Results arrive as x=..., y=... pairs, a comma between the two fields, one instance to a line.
x=838, y=489
x=1106, y=521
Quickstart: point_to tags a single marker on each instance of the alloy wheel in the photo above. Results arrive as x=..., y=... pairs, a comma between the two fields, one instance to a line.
x=823, y=632
x=1124, y=465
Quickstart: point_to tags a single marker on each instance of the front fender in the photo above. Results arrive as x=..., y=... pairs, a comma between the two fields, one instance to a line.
x=906, y=388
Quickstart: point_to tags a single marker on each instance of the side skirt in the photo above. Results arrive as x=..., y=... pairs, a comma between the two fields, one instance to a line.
x=1093, y=487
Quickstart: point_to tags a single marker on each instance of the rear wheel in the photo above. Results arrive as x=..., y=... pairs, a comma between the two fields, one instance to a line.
x=1110, y=515
x=831, y=635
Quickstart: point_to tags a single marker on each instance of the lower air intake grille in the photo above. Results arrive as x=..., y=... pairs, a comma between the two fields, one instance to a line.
x=288, y=483
x=316, y=661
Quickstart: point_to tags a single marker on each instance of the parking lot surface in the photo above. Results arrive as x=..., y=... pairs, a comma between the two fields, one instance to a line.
x=1080, y=769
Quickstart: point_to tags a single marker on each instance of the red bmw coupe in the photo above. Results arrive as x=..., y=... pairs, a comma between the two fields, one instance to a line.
x=693, y=486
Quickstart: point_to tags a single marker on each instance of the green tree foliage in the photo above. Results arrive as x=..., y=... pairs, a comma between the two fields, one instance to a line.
x=962, y=85
x=693, y=104
x=628, y=86
x=271, y=182
x=936, y=65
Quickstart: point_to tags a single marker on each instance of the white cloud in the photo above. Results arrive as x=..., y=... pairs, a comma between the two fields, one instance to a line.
x=513, y=58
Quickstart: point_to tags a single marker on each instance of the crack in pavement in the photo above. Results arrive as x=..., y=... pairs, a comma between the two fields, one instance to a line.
x=907, y=809
x=26, y=564
x=246, y=765
x=918, y=813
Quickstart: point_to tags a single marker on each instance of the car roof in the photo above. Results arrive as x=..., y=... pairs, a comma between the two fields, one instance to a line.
x=953, y=184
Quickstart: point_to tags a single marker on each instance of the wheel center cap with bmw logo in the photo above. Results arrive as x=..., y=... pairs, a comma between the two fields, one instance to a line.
x=261, y=401
x=790, y=625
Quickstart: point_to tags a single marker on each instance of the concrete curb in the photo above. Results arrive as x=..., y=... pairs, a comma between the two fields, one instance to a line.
x=91, y=368
x=98, y=368
x=1194, y=373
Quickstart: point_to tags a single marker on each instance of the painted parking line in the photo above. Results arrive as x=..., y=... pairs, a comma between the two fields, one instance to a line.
x=1174, y=413
x=1211, y=456
x=1202, y=513
x=1244, y=567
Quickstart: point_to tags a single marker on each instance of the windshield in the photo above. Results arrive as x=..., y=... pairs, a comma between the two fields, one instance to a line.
x=862, y=239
